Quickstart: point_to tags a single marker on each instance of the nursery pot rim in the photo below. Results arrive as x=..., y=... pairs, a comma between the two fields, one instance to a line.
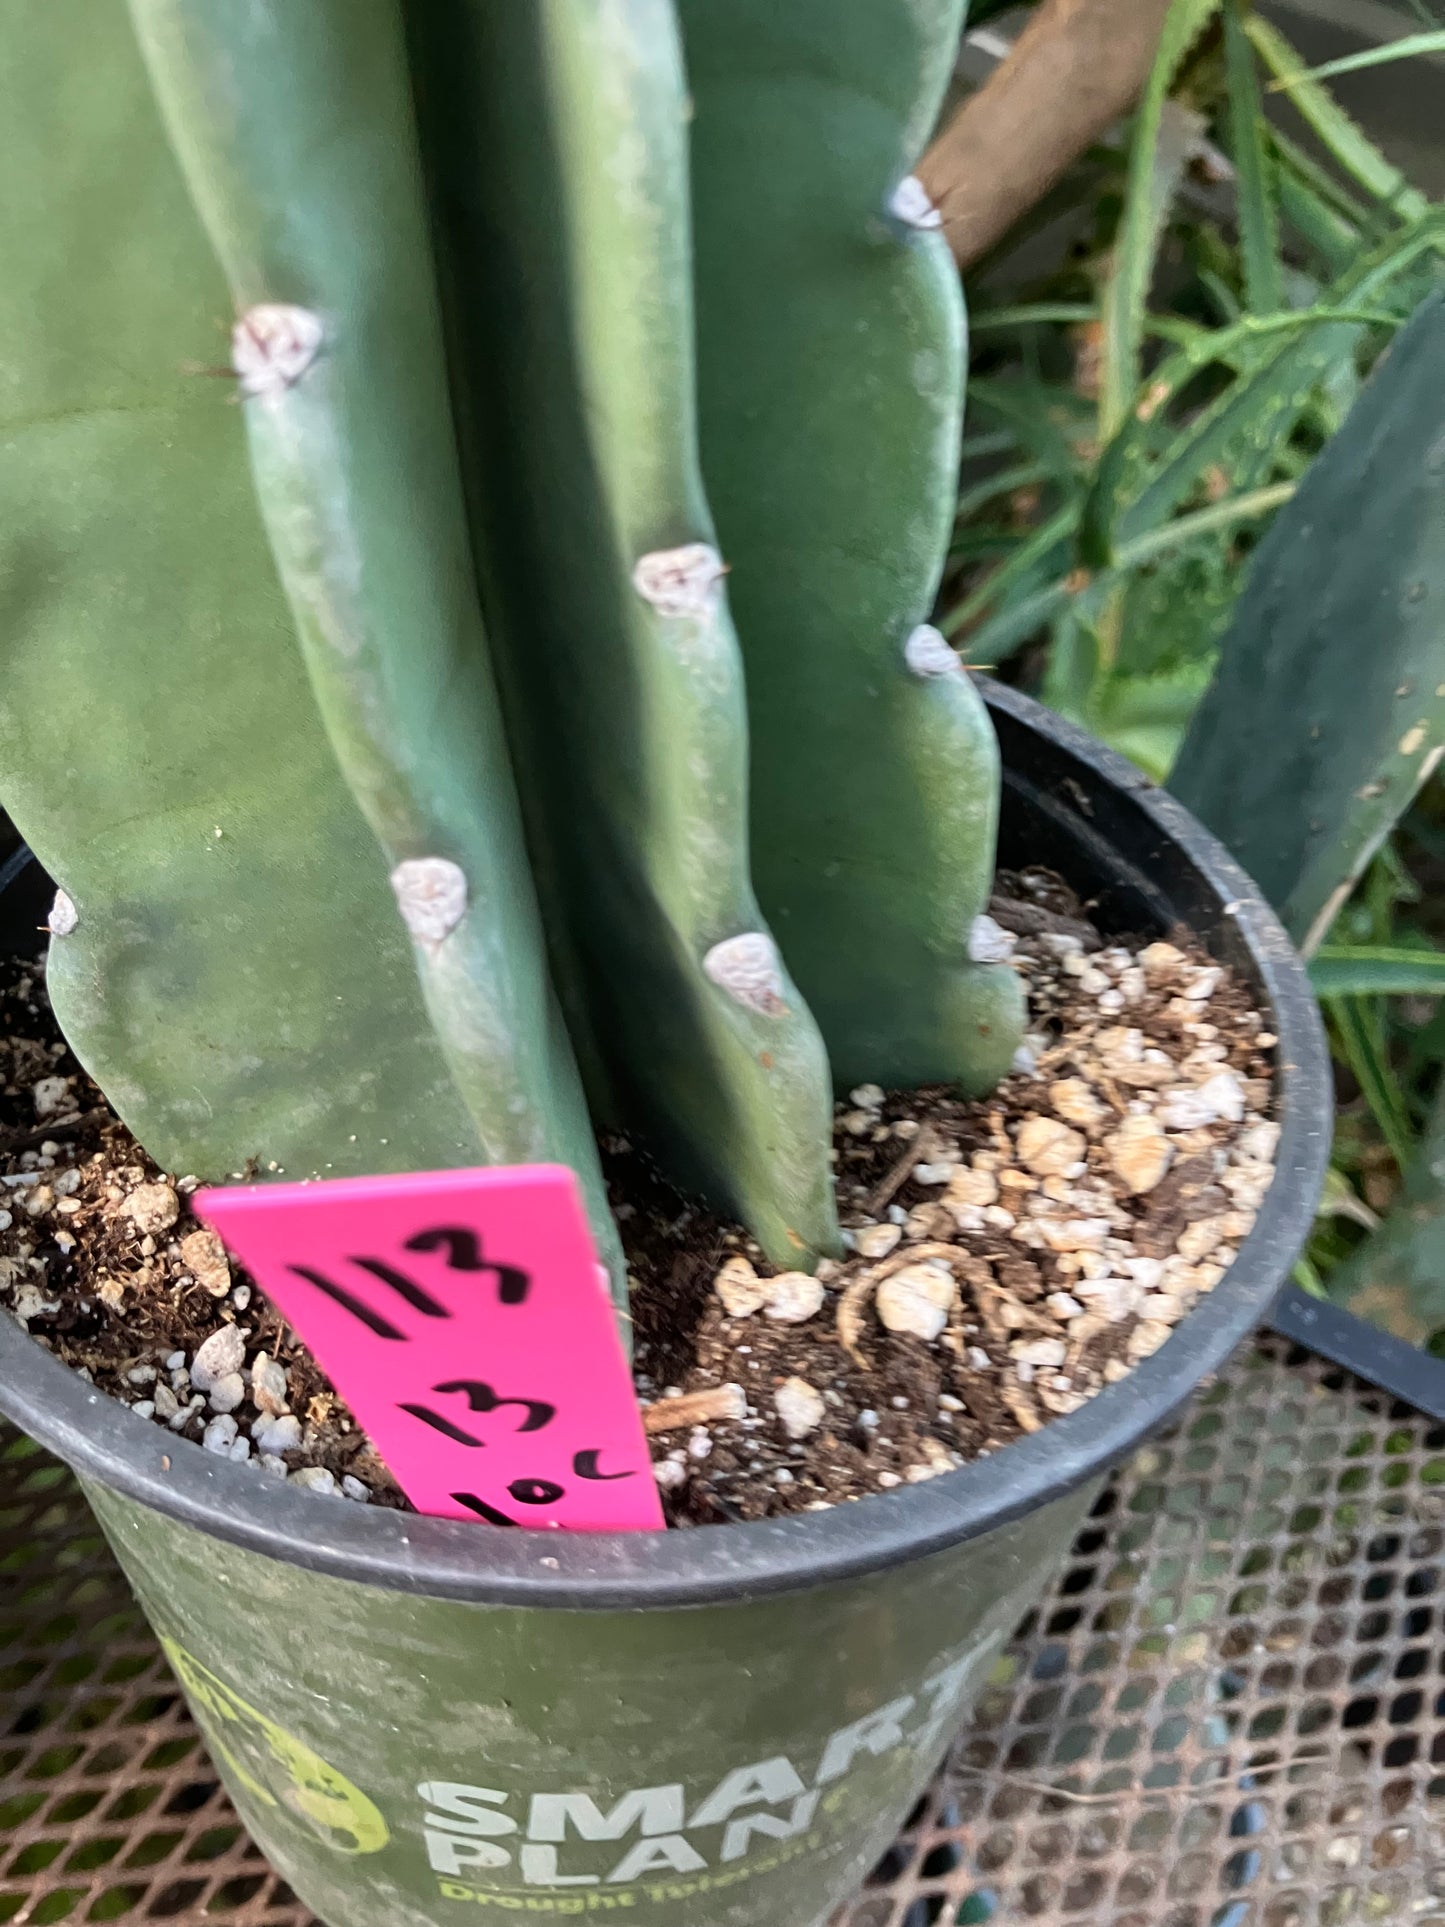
x=102, y=1441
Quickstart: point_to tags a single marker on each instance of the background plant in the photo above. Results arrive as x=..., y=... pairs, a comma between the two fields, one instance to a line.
x=1146, y=396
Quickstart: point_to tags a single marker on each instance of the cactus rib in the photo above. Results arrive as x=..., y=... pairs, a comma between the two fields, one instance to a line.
x=293, y=125
x=231, y=969
x=557, y=135
x=831, y=380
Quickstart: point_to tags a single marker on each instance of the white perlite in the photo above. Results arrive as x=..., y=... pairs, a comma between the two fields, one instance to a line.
x=910, y=203
x=800, y=1406
x=268, y=1385
x=152, y=1208
x=917, y=1300
x=63, y=915
x=1220, y=1100
x=1048, y=1148
x=315, y=1478
x=740, y=1288
x=1139, y=1152
x=205, y=1256
x=928, y=653
x=272, y=346
x=431, y=893
x=222, y=1353
x=989, y=942
x=680, y=582
x=50, y=1095
x=747, y=967
x=793, y=1298
x=876, y=1240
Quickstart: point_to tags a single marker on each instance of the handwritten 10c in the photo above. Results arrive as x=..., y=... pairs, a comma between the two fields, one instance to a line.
x=465, y=1319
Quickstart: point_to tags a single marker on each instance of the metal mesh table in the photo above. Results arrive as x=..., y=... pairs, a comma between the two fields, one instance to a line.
x=1228, y=1713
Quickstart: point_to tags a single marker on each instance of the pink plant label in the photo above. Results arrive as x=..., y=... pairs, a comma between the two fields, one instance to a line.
x=465, y=1319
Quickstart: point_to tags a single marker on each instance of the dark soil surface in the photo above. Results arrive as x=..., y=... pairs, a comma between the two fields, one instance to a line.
x=1008, y=1258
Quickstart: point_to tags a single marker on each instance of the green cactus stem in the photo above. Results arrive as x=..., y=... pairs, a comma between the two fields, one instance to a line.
x=1327, y=711
x=293, y=125
x=227, y=959
x=556, y=135
x=830, y=356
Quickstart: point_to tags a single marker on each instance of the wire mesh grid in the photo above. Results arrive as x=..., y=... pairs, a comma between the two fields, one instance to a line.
x=1228, y=1712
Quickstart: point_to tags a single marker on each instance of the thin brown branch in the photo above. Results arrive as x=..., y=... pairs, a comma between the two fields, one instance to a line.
x=1077, y=66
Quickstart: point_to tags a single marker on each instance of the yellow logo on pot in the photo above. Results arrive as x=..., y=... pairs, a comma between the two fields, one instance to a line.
x=274, y=1766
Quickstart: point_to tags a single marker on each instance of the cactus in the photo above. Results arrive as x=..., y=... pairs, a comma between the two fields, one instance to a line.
x=345, y=403
x=1328, y=708
x=459, y=239
x=227, y=958
x=830, y=355
x=621, y=668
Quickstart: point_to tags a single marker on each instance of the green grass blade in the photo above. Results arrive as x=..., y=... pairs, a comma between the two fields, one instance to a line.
x=1002, y=482
x=1261, y=409
x=1032, y=551
x=1029, y=315
x=1332, y=126
x=1011, y=627
x=1409, y=46
x=1195, y=448
x=1377, y=970
x=1156, y=161
x=1313, y=213
x=1249, y=142
x=1359, y=1031
x=1035, y=416
x=1206, y=521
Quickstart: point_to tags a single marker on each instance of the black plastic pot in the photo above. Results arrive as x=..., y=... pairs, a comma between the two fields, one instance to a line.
x=720, y=1727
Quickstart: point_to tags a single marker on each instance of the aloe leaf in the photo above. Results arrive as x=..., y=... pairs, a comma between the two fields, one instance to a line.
x=1332, y=126
x=1315, y=217
x=1157, y=157
x=1328, y=708
x=1108, y=511
x=1254, y=417
x=1360, y=970
x=1409, y=46
x=1249, y=144
x=1000, y=635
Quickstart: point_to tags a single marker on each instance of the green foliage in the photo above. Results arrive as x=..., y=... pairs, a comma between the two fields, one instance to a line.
x=1109, y=523
x=295, y=135
x=1396, y=1277
x=1297, y=759
x=1196, y=347
x=571, y=313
